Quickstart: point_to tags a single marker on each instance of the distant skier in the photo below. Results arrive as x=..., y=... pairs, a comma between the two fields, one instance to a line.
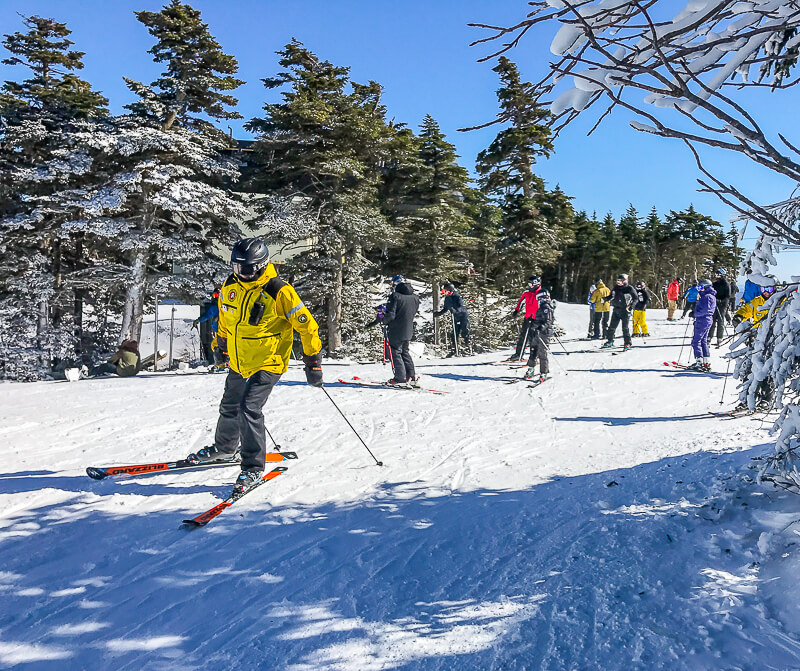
x=732, y=301
x=690, y=295
x=454, y=304
x=542, y=328
x=622, y=299
x=258, y=314
x=723, y=290
x=639, y=311
x=401, y=308
x=703, y=317
x=590, y=330
x=673, y=295
x=529, y=297
x=602, y=310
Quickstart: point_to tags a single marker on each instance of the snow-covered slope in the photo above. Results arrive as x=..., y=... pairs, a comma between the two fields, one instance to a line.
x=604, y=520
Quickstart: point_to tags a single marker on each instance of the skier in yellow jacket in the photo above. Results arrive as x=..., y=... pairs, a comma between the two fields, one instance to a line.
x=602, y=310
x=258, y=314
x=753, y=309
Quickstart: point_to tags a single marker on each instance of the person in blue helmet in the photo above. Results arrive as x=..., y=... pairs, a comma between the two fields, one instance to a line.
x=401, y=308
x=690, y=296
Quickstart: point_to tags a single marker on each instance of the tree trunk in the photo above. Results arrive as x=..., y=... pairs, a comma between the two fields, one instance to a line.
x=133, y=309
x=335, y=307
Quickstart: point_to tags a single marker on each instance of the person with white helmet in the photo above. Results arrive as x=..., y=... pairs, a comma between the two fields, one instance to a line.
x=703, y=317
x=622, y=299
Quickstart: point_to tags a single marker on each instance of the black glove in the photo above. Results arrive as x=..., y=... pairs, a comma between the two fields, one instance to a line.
x=737, y=319
x=313, y=369
x=195, y=323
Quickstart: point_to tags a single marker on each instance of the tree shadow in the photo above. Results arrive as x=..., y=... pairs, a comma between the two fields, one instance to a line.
x=604, y=570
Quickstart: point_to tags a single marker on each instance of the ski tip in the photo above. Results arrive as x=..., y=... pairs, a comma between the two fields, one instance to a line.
x=355, y=377
x=192, y=524
x=289, y=455
x=96, y=473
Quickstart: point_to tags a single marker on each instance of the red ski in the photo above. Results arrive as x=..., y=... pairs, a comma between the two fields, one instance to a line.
x=681, y=366
x=204, y=518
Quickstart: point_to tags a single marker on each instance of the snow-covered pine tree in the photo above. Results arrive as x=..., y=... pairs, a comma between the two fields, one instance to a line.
x=38, y=307
x=318, y=158
x=159, y=183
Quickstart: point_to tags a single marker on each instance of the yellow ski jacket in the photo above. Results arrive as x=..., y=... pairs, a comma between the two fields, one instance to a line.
x=751, y=311
x=257, y=319
x=598, y=297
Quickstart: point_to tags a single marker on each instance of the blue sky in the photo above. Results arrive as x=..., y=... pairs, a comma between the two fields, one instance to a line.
x=418, y=50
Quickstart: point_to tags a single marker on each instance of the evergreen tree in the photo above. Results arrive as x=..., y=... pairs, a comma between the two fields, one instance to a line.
x=433, y=215
x=196, y=75
x=529, y=240
x=318, y=158
x=37, y=257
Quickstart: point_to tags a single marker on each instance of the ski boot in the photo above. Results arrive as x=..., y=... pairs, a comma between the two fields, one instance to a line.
x=607, y=344
x=245, y=482
x=413, y=382
x=530, y=374
x=394, y=383
x=625, y=348
x=210, y=453
x=542, y=378
x=697, y=365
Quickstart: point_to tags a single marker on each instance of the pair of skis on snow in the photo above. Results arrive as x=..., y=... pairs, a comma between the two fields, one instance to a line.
x=675, y=364
x=159, y=467
x=358, y=382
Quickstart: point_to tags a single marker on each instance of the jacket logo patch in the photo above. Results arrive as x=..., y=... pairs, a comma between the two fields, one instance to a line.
x=232, y=295
x=302, y=319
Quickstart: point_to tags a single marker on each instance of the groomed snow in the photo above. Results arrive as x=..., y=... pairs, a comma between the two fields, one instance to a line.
x=602, y=521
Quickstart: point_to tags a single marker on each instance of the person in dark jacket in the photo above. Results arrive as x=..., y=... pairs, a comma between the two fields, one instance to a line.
x=622, y=299
x=541, y=331
x=207, y=324
x=642, y=301
x=401, y=308
x=732, y=306
x=454, y=304
x=703, y=316
x=529, y=298
x=723, y=290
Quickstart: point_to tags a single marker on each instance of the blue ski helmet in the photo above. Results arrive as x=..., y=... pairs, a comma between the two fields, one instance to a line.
x=398, y=279
x=721, y=272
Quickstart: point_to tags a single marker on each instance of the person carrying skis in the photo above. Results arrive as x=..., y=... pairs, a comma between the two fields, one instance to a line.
x=622, y=299
x=602, y=309
x=723, y=290
x=542, y=328
x=691, y=298
x=258, y=314
x=401, y=308
x=454, y=304
x=673, y=295
x=705, y=307
x=529, y=296
x=642, y=301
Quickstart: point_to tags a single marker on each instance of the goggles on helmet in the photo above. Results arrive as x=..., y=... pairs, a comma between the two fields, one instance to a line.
x=248, y=271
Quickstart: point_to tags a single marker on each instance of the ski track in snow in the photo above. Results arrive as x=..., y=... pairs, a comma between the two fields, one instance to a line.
x=601, y=520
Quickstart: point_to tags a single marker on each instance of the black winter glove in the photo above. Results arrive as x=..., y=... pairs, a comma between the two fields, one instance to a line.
x=313, y=369
x=737, y=320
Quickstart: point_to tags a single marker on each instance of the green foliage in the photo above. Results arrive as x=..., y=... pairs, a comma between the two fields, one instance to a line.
x=53, y=91
x=197, y=71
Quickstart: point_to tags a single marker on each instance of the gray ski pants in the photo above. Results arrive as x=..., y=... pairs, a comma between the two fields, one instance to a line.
x=241, y=417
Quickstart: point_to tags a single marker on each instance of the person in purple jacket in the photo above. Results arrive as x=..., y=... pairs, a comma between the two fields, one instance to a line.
x=703, y=317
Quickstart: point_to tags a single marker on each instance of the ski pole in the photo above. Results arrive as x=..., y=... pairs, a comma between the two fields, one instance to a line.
x=277, y=447
x=560, y=343
x=455, y=334
x=680, y=354
x=549, y=351
x=725, y=382
x=378, y=463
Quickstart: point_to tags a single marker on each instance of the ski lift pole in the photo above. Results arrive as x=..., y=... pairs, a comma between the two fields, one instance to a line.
x=171, y=336
x=155, y=338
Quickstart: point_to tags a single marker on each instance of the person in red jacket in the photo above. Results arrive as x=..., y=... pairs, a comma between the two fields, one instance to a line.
x=673, y=293
x=531, y=305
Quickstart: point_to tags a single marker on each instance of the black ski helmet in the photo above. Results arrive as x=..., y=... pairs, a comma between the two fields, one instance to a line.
x=249, y=258
x=534, y=280
x=448, y=286
x=543, y=295
x=705, y=283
